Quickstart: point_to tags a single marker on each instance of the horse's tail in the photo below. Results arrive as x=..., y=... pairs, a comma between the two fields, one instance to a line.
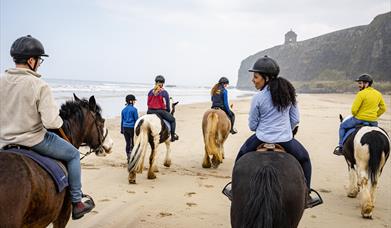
x=211, y=135
x=379, y=146
x=264, y=205
x=140, y=145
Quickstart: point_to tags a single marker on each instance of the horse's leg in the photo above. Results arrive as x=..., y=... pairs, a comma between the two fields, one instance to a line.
x=132, y=177
x=365, y=192
x=206, y=163
x=152, y=168
x=352, y=189
x=65, y=212
x=167, y=159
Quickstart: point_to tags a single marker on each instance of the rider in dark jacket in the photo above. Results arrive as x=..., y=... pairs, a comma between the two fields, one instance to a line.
x=220, y=100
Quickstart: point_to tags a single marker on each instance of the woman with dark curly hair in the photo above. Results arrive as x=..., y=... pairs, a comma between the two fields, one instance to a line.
x=274, y=114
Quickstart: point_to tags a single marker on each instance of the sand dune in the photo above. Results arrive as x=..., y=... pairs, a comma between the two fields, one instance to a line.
x=186, y=195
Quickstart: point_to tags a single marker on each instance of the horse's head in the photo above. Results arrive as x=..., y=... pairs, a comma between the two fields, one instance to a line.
x=173, y=104
x=84, y=123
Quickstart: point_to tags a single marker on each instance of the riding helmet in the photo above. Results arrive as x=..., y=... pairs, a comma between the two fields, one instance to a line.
x=160, y=79
x=365, y=78
x=223, y=80
x=130, y=98
x=267, y=66
x=26, y=47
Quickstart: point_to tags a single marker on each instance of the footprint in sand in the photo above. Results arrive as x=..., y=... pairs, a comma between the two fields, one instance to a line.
x=209, y=186
x=189, y=194
x=324, y=190
x=104, y=200
x=190, y=204
x=164, y=214
x=129, y=191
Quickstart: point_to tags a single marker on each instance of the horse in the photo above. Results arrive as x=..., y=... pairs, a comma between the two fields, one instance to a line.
x=366, y=151
x=149, y=129
x=215, y=129
x=268, y=190
x=28, y=195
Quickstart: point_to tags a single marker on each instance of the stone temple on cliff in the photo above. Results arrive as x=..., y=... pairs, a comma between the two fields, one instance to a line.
x=290, y=37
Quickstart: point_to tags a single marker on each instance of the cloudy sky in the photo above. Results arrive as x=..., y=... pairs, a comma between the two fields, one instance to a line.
x=191, y=42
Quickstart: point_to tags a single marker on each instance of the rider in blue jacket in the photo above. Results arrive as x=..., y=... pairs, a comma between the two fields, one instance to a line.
x=220, y=100
x=129, y=116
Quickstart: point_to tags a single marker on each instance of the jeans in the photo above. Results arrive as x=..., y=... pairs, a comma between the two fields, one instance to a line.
x=293, y=147
x=351, y=123
x=55, y=147
x=128, y=134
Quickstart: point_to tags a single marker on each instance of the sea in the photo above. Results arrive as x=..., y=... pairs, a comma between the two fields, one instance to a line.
x=111, y=95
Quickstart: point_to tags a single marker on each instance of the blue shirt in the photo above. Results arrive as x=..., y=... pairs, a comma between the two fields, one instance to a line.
x=270, y=125
x=129, y=115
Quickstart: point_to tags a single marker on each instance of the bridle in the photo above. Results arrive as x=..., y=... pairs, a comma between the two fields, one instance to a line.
x=100, y=138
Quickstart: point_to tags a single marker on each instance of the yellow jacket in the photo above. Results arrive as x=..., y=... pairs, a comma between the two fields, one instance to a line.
x=368, y=105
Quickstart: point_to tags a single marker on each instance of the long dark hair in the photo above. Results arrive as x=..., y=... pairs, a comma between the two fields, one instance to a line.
x=215, y=88
x=283, y=93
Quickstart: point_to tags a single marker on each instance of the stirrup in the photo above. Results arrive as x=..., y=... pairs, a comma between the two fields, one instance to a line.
x=227, y=190
x=314, y=201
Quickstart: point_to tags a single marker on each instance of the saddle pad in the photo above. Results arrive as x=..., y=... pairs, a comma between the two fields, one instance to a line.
x=52, y=166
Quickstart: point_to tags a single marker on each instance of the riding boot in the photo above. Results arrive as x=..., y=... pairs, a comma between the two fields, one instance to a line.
x=338, y=151
x=173, y=135
x=232, y=119
x=313, y=201
x=79, y=209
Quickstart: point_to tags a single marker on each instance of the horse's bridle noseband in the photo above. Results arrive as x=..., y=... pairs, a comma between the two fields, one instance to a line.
x=100, y=139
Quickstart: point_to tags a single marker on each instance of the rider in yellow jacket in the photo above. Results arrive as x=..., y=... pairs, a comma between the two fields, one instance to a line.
x=367, y=107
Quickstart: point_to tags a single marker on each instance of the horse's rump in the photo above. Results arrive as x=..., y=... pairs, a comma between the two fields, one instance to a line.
x=215, y=128
x=268, y=190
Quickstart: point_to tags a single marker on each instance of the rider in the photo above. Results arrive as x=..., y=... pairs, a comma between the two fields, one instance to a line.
x=220, y=100
x=159, y=104
x=29, y=109
x=367, y=107
x=274, y=114
x=129, y=116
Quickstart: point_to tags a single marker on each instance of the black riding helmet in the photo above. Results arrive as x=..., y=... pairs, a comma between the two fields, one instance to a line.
x=160, y=79
x=129, y=98
x=26, y=47
x=223, y=80
x=266, y=66
x=365, y=78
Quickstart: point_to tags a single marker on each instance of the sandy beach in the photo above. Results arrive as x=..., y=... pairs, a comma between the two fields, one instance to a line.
x=186, y=195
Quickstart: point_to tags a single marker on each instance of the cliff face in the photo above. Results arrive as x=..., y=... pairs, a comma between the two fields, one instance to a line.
x=339, y=55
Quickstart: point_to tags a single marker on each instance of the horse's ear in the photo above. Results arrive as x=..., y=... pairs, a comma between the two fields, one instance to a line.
x=173, y=104
x=92, y=103
x=76, y=98
x=340, y=117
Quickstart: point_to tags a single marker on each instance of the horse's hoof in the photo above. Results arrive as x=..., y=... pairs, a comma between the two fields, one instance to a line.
x=206, y=166
x=151, y=176
x=367, y=216
x=132, y=181
x=167, y=163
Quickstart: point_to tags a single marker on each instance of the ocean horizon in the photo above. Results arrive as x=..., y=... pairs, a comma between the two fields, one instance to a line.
x=111, y=95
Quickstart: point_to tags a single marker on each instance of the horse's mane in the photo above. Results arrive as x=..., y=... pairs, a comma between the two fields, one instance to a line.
x=72, y=109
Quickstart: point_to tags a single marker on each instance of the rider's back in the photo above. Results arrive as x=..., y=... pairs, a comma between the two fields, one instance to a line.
x=368, y=105
x=26, y=108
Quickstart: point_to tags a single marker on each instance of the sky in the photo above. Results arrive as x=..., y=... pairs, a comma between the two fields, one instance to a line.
x=190, y=42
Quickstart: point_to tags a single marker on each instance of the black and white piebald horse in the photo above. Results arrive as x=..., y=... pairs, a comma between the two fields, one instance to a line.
x=366, y=151
x=152, y=130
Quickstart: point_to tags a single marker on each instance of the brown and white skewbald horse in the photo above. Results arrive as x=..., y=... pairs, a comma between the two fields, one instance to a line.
x=366, y=151
x=215, y=128
x=149, y=129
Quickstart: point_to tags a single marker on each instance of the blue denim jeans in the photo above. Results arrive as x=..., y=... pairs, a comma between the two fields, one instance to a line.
x=293, y=147
x=351, y=123
x=55, y=147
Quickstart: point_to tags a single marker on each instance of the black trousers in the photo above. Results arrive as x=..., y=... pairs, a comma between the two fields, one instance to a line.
x=164, y=115
x=128, y=134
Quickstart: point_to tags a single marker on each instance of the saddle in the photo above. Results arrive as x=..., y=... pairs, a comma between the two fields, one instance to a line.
x=270, y=147
x=53, y=167
x=351, y=130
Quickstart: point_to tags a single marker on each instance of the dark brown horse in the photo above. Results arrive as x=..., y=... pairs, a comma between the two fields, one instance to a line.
x=28, y=195
x=268, y=191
